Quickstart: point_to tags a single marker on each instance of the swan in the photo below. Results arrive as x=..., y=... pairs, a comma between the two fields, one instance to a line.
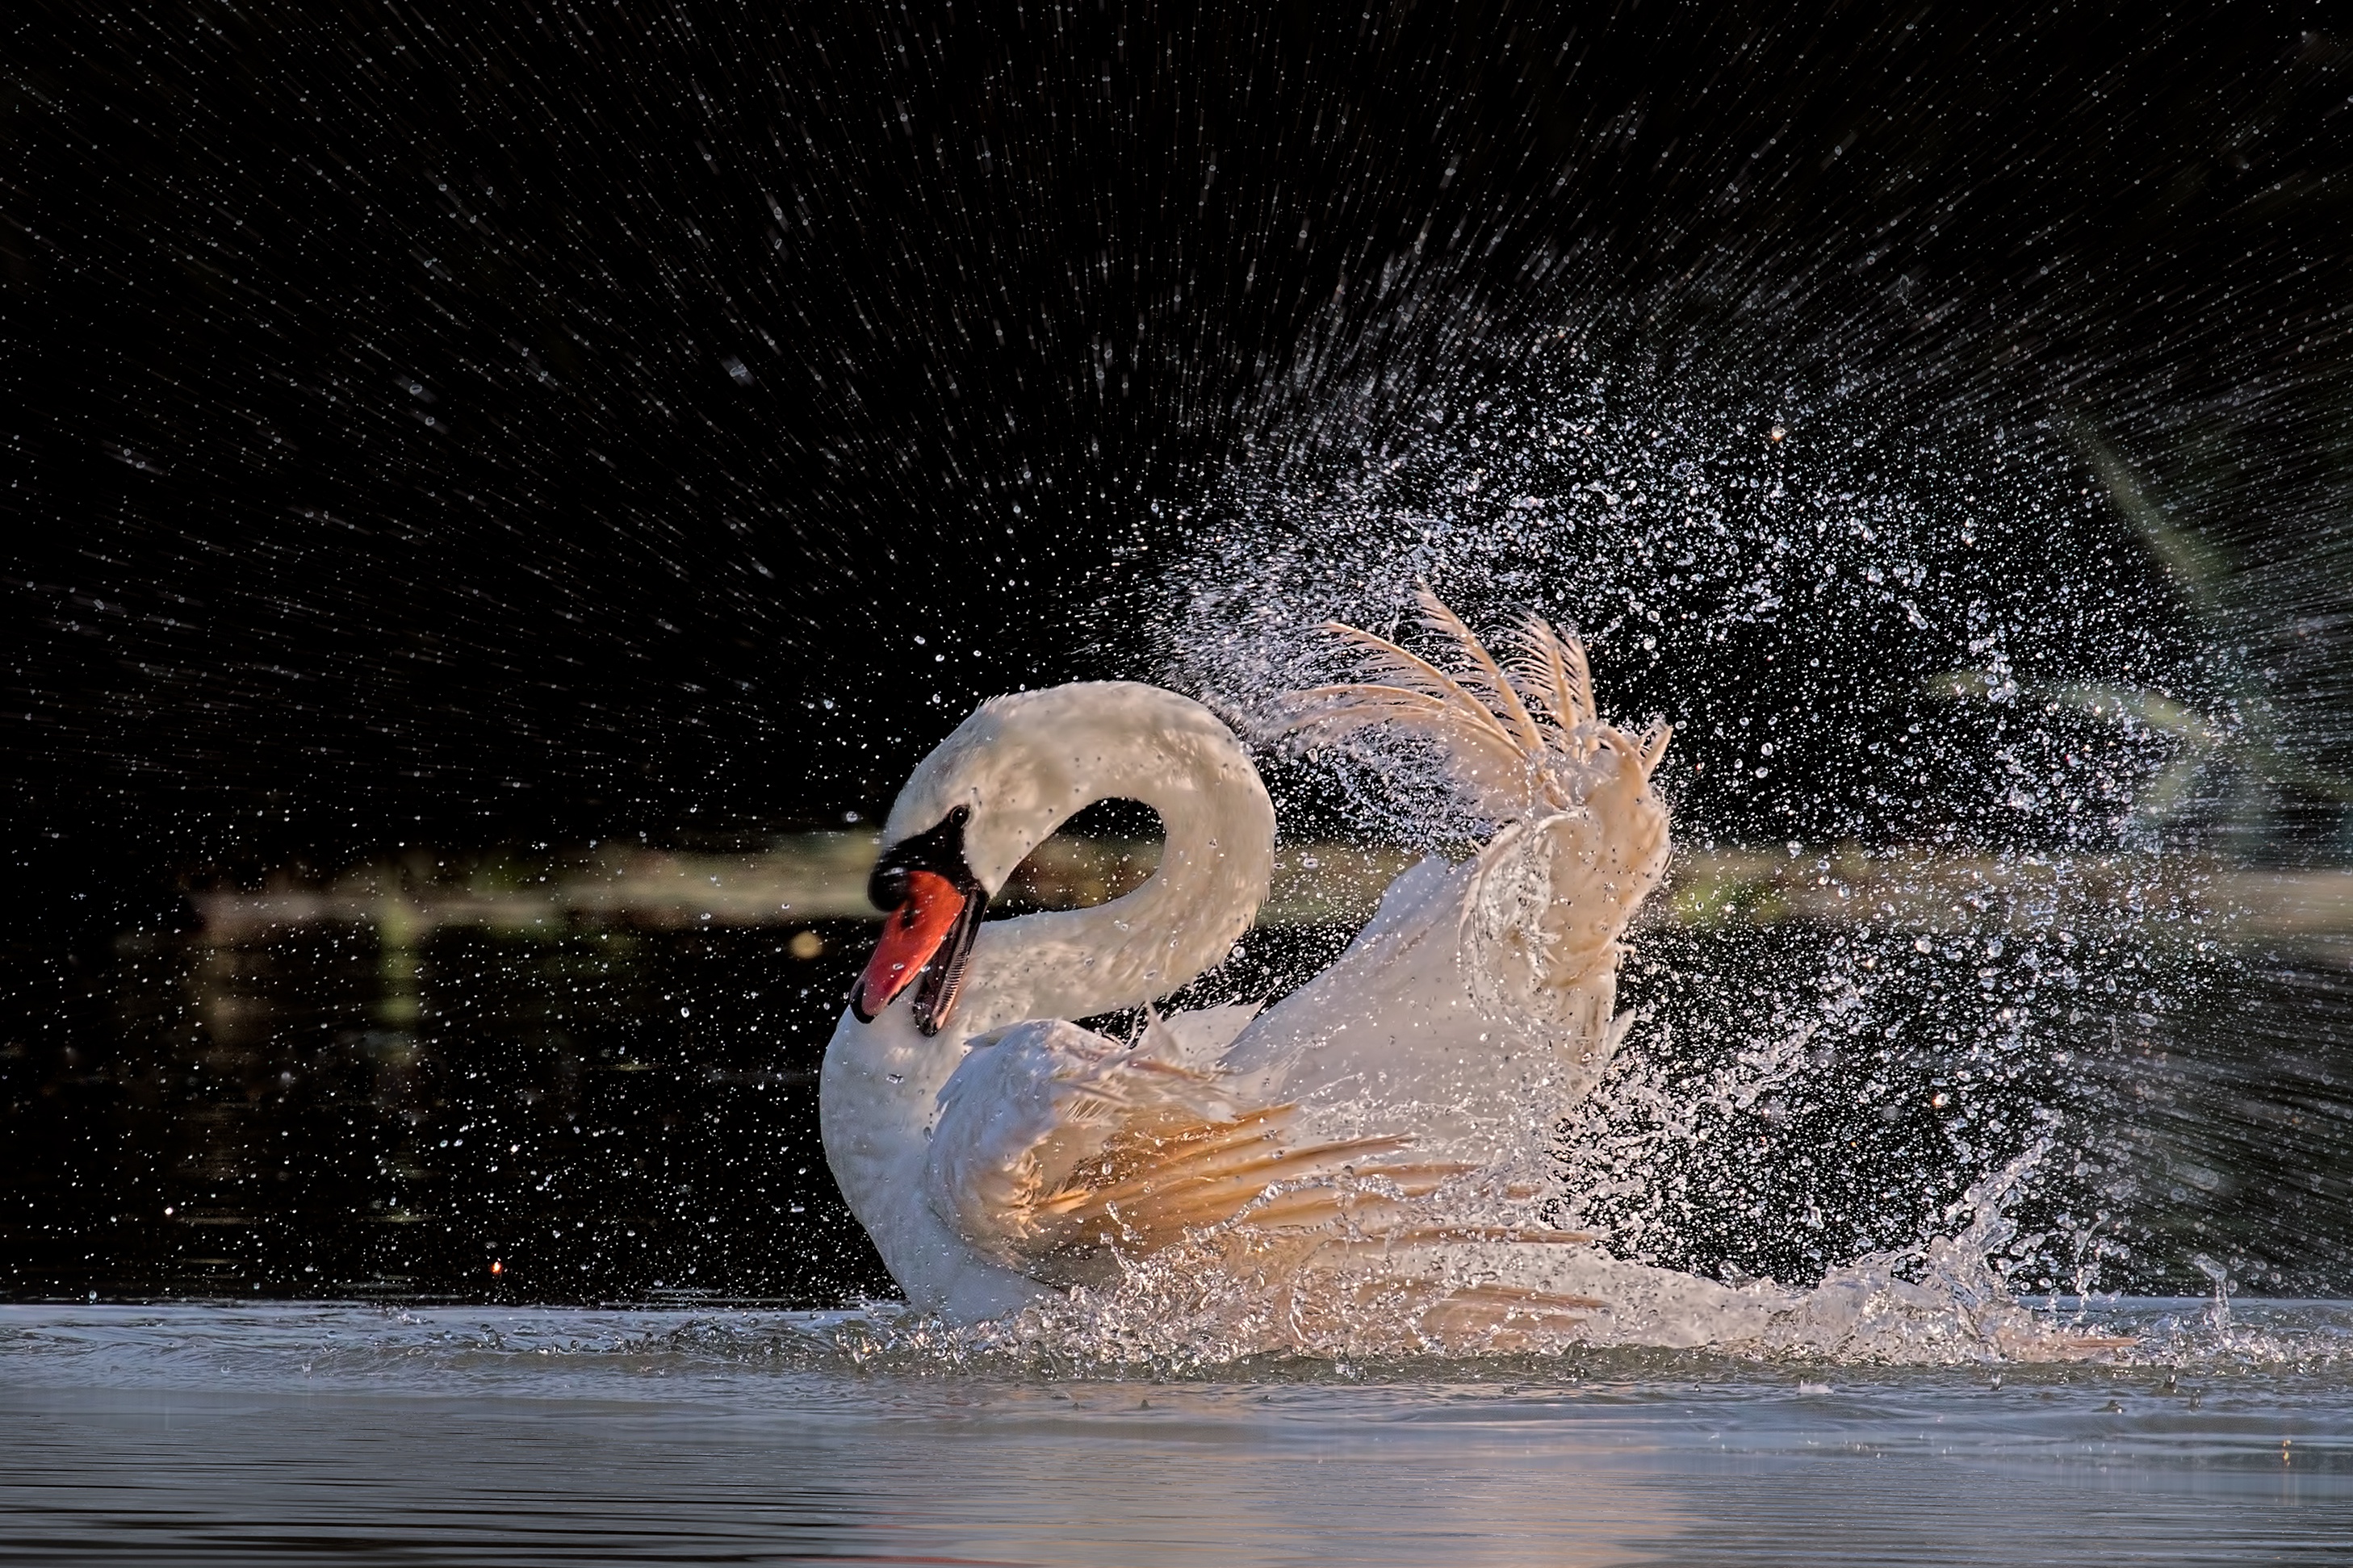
x=1370, y=1156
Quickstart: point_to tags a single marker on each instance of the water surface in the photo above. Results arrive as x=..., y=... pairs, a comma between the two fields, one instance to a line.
x=315, y=1433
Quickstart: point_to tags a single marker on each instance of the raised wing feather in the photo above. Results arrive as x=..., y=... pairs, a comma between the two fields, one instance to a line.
x=1481, y=674
x=1553, y=669
x=1517, y=738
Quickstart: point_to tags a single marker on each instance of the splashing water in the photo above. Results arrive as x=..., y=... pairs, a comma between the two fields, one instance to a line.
x=1946, y=1302
x=1911, y=670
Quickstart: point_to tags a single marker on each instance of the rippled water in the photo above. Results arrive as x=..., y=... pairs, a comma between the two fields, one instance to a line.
x=302, y=1433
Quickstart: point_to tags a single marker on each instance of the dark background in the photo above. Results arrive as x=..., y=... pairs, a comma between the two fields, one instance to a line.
x=531, y=424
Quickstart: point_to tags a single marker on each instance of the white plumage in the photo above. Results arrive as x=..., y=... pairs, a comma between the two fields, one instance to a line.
x=1368, y=1157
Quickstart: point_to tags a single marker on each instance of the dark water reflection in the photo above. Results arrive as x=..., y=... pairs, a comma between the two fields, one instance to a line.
x=299, y=1435
x=599, y=1112
x=602, y=1113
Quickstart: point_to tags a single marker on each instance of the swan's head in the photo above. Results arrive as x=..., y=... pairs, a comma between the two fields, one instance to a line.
x=997, y=787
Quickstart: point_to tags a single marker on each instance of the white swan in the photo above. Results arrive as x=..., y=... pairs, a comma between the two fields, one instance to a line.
x=1369, y=1157
x=993, y=791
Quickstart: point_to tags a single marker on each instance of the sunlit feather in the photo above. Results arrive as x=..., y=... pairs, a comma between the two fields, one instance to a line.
x=1515, y=737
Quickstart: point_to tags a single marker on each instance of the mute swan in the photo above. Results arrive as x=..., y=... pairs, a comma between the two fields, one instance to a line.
x=1370, y=1151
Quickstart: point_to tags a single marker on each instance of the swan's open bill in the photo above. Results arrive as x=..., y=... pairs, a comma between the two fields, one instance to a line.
x=935, y=905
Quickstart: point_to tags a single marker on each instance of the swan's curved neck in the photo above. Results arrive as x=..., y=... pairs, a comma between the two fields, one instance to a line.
x=1072, y=963
x=1141, y=745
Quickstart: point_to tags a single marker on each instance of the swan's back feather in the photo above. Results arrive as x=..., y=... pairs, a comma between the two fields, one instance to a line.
x=1197, y=1038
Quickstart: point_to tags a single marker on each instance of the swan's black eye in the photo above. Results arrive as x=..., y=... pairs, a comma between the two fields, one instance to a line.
x=937, y=851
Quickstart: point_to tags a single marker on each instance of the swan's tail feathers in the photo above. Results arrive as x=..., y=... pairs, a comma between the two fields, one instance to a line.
x=1517, y=737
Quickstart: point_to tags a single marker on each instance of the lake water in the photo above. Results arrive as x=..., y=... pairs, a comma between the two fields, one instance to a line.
x=302, y=1433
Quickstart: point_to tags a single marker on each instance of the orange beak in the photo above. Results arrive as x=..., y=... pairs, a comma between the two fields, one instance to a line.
x=933, y=907
x=912, y=936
